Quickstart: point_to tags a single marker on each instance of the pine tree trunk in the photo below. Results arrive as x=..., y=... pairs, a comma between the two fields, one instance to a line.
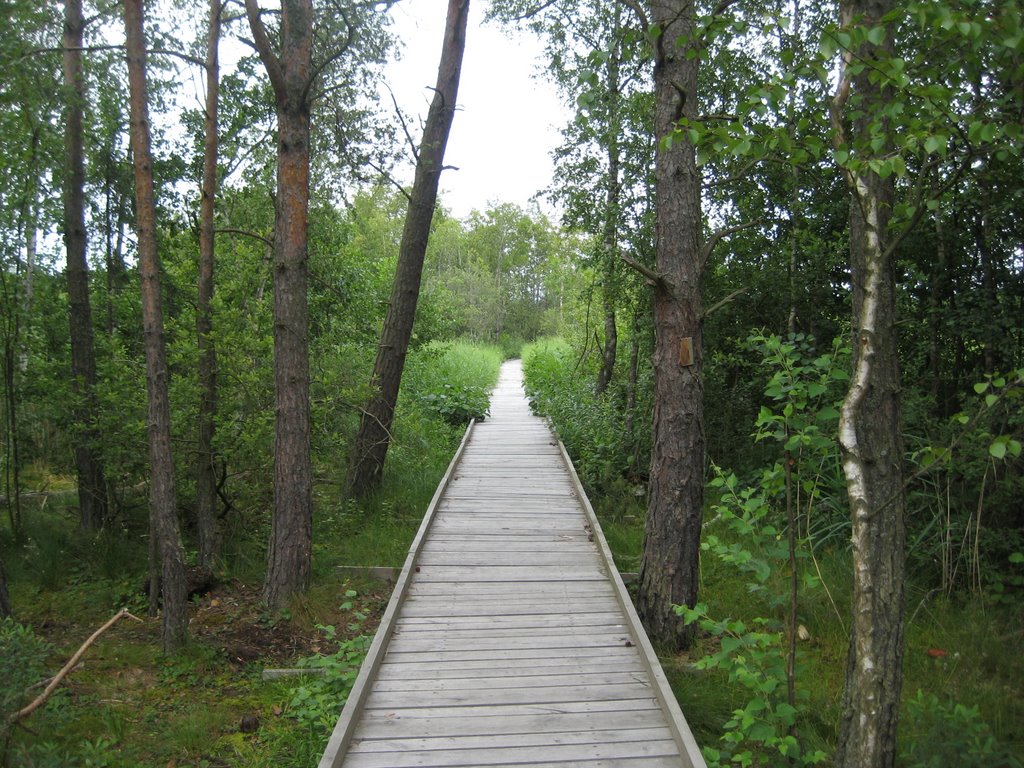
x=92, y=490
x=374, y=435
x=870, y=437
x=206, y=478
x=162, y=499
x=289, y=556
x=669, y=564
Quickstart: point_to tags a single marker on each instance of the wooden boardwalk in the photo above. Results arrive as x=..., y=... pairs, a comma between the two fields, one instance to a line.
x=509, y=639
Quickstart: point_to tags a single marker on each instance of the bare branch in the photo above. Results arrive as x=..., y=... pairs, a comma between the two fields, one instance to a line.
x=719, y=234
x=405, y=126
x=24, y=712
x=246, y=233
x=719, y=304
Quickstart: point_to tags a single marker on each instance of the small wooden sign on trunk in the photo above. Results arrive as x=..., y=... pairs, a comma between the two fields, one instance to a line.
x=686, y=351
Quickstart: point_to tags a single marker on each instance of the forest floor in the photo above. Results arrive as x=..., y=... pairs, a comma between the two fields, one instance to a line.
x=127, y=704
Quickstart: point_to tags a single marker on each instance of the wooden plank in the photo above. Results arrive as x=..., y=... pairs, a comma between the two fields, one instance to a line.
x=513, y=755
x=509, y=741
x=506, y=559
x=495, y=635
x=416, y=710
x=683, y=735
x=524, y=655
x=528, y=621
x=378, y=726
x=509, y=643
x=342, y=733
x=413, y=643
x=496, y=696
x=478, y=574
x=454, y=670
x=574, y=677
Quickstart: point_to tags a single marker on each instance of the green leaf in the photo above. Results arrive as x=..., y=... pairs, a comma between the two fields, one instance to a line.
x=998, y=449
x=981, y=386
x=1017, y=558
x=991, y=400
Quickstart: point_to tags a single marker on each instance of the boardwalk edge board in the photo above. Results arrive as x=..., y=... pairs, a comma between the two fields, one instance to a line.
x=345, y=727
x=687, y=744
x=498, y=628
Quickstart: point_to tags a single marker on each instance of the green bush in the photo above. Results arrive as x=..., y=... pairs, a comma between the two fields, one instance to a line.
x=938, y=734
x=22, y=654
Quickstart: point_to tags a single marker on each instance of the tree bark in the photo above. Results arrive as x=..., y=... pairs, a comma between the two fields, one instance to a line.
x=289, y=555
x=670, y=559
x=6, y=611
x=870, y=432
x=206, y=478
x=92, y=488
x=374, y=435
x=610, y=236
x=162, y=499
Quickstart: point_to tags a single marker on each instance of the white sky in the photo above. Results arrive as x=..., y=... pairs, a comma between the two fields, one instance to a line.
x=508, y=120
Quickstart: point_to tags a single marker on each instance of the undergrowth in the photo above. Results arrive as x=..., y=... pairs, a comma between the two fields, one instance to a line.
x=129, y=705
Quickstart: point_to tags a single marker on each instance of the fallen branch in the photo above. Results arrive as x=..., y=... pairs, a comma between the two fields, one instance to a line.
x=21, y=714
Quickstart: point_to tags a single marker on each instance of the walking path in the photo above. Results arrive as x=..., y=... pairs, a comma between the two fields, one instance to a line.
x=510, y=639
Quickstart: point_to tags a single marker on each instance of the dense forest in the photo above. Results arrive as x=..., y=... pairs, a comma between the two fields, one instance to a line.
x=775, y=311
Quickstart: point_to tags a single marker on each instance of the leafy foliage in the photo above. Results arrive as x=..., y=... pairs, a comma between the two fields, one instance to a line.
x=938, y=734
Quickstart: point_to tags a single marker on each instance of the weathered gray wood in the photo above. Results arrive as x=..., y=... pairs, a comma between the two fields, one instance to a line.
x=506, y=741
x=392, y=725
x=514, y=755
x=342, y=733
x=510, y=643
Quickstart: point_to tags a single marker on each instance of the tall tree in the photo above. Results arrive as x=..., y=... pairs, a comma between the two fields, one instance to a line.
x=374, y=435
x=870, y=425
x=166, y=538
x=289, y=555
x=92, y=492
x=206, y=480
x=5, y=601
x=669, y=564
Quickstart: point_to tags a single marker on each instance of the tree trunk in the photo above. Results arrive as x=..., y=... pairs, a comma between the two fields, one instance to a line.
x=92, y=488
x=611, y=343
x=289, y=555
x=610, y=244
x=6, y=611
x=374, y=435
x=162, y=500
x=670, y=560
x=206, y=478
x=870, y=435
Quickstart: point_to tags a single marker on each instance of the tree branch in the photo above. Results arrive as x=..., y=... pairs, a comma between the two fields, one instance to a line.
x=405, y=125
x=719, y=304
x=263, y=46
x=24, y=712
x=719, y=234
x=245, y=233
x=656, y=278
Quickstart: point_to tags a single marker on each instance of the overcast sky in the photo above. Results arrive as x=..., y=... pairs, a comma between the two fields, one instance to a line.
x=508, y=119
